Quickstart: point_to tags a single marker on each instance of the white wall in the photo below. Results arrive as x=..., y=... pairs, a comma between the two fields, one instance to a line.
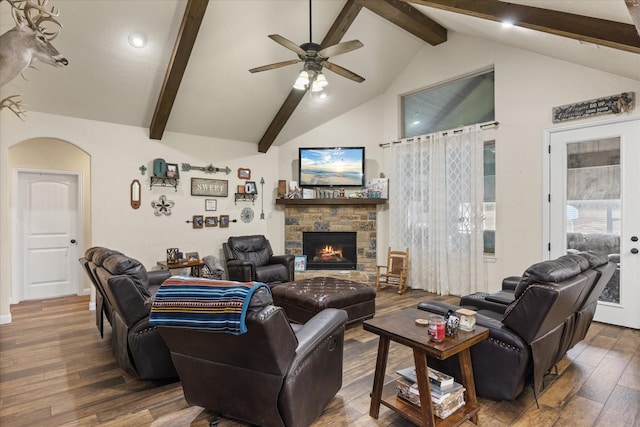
x=528, y=86
x=116, y=154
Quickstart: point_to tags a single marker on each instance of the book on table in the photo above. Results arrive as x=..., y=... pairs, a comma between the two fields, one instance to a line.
x=444, y=406
x=437, y=395
x=440, y=379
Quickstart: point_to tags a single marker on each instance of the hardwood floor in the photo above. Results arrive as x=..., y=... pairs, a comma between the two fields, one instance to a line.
x=55, y=370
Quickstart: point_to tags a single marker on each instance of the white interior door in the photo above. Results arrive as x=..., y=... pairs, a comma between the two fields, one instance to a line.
x=594, y=187
x=47, y=229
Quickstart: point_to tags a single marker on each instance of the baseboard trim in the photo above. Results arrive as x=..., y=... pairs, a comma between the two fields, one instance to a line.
x=4, y=319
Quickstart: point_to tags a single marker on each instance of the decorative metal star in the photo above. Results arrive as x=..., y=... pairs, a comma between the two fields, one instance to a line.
x=162, y=206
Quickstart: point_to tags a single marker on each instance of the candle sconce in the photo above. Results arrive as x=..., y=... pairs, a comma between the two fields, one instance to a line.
x=135, y=194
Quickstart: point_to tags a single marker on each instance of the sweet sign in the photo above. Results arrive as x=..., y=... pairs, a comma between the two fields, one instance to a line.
x=614, y=104
x=209, y=187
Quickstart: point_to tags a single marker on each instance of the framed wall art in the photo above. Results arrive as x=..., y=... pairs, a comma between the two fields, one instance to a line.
x=197, y=221
x=211, y=221
x=210, y=205
x=224, y=221
x=209, y=187
x=244, y=173
x=173, y=171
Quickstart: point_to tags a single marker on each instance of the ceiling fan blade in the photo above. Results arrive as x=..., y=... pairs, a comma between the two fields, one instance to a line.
x=340, y=48
x=288, y=44
x=343, y=72
x=274, y=66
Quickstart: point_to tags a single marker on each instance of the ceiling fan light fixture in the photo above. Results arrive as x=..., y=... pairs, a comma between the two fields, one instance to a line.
x=302, y=81
x=320, y=81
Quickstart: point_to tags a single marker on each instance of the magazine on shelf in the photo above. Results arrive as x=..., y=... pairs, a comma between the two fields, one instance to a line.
x=443, y=381
x=441, y=408
x=408, y=387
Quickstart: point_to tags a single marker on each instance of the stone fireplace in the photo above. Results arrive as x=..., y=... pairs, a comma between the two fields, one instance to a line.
x=333, y=250
x=346, y=215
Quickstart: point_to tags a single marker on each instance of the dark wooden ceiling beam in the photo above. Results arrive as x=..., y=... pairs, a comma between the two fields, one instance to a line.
x=409, y=19
x=191, y=20
x=602, y=32
x=334, y=35
x=634, y=10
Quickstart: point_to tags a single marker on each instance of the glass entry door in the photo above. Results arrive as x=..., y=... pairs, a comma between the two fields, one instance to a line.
x=594, y=187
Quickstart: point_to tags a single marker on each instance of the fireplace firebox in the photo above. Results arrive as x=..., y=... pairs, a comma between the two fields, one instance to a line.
x=330, y=250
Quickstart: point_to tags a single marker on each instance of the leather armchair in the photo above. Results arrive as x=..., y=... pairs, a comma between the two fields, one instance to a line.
x=272, y=375
x=136, y=345
x=250, y=258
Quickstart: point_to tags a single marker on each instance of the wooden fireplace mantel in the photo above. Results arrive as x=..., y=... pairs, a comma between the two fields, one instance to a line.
x=346, y=201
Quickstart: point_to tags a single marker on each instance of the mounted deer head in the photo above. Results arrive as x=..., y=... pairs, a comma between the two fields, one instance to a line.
x=27, y=41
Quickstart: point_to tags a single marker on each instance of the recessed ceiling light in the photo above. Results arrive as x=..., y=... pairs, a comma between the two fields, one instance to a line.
x=137, y=40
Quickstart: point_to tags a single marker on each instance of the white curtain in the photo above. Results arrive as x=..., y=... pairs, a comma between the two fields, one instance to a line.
x=436, y=194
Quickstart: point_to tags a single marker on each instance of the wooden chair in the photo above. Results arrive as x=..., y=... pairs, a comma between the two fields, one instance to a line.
x=395, y=272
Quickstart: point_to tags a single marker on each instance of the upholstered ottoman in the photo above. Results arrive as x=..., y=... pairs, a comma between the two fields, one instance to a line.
x=302, y=299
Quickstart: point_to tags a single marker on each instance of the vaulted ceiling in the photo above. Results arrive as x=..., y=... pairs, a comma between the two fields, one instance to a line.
x=192, y=77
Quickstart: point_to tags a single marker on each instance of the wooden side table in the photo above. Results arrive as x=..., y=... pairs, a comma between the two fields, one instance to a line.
x=195, y=267
x=400, y=327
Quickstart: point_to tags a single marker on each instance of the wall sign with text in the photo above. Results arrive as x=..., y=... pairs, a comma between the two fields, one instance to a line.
x=209, y=187
x=614, y=104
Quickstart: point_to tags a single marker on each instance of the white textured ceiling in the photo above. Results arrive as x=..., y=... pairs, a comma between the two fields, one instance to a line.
x=108, y=80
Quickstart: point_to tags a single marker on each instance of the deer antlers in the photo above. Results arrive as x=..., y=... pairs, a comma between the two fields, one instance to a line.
x=36, y=14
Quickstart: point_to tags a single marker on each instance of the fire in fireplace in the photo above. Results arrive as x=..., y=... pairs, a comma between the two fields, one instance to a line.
x=329, y=250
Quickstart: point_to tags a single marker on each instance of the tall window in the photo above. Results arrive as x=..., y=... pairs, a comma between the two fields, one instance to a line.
x=451, y=105
x=461, y=102
x=489, y=203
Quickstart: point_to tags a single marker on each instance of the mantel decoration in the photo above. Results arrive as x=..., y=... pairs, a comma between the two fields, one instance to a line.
x=162, y=206
x=186, y=167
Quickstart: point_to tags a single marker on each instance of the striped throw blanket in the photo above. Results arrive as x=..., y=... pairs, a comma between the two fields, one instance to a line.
x=212, y=305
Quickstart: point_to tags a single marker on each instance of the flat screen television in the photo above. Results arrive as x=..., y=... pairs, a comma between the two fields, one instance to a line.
x=331, y=167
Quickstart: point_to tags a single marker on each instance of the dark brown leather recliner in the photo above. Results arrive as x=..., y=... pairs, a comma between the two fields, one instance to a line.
x=551, y=311
x=272, y=375
x=129, y=288
x=250, y=258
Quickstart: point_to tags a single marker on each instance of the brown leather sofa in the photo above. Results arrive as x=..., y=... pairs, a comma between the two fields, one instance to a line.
x=275, y=374
x=126, y=291
x=250, y=258
x=552, y=307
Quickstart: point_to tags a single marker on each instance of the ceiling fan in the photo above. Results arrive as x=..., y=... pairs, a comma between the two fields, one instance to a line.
x=315, y=58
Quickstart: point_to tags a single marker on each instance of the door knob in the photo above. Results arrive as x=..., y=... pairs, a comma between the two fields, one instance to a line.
x=634, y=251
x=73, y=240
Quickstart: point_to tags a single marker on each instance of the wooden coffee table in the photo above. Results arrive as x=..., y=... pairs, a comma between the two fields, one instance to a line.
x=400, y=327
